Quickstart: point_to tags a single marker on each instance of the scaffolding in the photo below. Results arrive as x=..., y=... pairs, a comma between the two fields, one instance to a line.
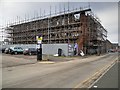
x=71, y=26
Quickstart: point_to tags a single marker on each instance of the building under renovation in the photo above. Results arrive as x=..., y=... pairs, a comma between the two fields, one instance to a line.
x=78, y=26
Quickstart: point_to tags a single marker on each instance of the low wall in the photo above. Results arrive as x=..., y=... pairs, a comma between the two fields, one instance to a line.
x=46, y=48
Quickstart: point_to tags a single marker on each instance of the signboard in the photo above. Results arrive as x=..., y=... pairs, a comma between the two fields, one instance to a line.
x=39, y=39
x=38, y=46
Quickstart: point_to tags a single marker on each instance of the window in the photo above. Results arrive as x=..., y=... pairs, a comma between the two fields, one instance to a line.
x=63, y=22
x=77, y=17
x=15, y=48
x=57, y=22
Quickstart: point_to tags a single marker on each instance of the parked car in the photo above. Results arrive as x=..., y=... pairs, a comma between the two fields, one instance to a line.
x=30, y=51
x=16, y=50
x=7, y=50
x=3, y=50
x=111, y=50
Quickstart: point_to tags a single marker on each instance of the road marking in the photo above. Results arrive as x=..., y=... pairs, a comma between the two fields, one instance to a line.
x=47, y=62
x=95, y=76
x=95, y=86
x=110, y=66
x=102, y=75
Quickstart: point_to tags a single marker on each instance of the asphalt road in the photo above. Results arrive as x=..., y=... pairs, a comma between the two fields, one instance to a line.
x=69, y=74
x=109, y=79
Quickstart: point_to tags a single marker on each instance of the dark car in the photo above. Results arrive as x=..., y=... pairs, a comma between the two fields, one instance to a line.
x=111, y=50
x=30, y=51
x=3, y=50
x=7, y=50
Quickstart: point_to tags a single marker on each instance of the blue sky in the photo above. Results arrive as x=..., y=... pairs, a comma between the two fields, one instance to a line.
x=106, y=11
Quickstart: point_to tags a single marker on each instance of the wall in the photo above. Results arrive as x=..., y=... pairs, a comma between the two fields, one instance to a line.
x=47, y=48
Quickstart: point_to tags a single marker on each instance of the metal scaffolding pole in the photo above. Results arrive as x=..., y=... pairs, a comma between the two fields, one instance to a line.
x=64, y=23
x=50, y=26
x=48, y=31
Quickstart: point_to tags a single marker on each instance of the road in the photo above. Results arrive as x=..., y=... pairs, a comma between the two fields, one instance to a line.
x=69, y=74
x=109, y=79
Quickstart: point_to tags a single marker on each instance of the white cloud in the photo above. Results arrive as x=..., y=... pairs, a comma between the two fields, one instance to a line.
x=61, y=0
x=109, y=19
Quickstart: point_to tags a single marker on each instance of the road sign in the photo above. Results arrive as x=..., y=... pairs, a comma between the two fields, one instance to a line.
x=39, y=39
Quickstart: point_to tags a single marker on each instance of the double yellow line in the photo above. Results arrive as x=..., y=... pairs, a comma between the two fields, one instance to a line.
x=95, y=76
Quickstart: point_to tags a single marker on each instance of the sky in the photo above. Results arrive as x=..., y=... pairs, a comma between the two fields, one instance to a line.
x=13, y=11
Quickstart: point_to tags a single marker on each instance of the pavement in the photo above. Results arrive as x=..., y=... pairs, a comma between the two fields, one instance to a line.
x=16, y=60
x=67, y=74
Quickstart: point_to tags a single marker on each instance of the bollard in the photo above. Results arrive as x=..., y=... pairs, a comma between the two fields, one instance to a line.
x=39, y=54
